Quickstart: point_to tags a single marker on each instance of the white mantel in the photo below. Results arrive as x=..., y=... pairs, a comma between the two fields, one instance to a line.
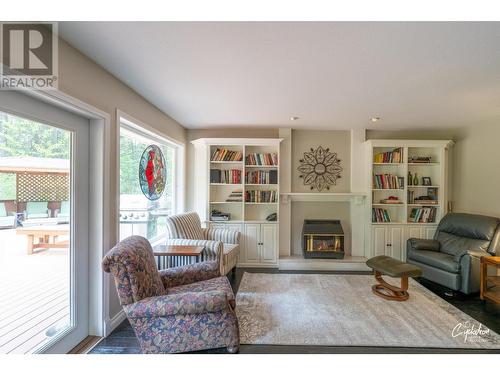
x=356, y=198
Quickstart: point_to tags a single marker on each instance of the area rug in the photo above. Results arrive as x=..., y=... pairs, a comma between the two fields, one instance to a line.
x=341, y=310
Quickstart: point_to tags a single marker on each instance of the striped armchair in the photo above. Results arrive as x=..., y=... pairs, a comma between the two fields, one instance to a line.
x=220, y=244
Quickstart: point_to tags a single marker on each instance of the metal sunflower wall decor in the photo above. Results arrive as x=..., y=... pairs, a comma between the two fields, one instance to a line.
x=320, y=168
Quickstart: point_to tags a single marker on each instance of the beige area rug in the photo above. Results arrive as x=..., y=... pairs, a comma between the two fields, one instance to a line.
x=341, y=310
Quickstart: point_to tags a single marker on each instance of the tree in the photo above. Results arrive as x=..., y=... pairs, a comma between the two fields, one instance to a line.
x=23, y=137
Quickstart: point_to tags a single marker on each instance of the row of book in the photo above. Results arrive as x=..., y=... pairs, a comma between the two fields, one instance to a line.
x=388, y=181
x=423, y=215
x=222, y=154
x=262, y=159
x=394, y=156
x=380, y=215
x=261, y=196
x=228, y=176
x=261, y=177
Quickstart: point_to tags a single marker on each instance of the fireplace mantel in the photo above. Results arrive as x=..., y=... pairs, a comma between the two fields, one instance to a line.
x=356, y=198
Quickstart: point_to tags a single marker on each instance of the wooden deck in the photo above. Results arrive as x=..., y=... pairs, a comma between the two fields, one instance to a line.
x=34, y=294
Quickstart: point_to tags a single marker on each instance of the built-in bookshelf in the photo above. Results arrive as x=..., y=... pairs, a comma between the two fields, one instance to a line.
x=408, y=181
x=243, y=180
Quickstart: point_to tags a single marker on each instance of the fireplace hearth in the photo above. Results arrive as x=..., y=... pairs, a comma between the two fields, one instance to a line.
x=323, y=239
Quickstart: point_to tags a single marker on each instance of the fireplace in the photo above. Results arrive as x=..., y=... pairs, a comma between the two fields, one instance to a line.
x=323, y=239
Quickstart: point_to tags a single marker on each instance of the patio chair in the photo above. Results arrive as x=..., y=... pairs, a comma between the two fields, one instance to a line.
x=6, y=220
x=176, y=310
x=37, y=210
x=62, y=214
x=38, y=213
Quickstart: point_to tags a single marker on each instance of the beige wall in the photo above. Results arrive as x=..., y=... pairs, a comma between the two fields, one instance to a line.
x=338, y=141
x=193, y=134
x=81, y=78
x=475, y=162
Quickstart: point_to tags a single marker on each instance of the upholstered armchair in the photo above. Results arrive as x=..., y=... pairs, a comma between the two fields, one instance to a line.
x=453, y=257
x=220, y=244
x=180, y=309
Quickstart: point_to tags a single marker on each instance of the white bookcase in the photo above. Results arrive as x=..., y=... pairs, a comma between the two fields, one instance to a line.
x=259, y=237
x=389, y=238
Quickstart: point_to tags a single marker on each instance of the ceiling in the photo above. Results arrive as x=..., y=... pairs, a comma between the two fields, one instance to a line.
x=332, y=75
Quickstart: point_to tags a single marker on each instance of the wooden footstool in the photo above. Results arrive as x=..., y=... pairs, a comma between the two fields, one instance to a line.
x=384, y=265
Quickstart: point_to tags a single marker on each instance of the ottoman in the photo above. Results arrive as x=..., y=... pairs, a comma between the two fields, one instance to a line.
x=384, y=265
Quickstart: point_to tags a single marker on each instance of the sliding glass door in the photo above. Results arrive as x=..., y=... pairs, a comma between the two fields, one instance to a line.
x=44, y=191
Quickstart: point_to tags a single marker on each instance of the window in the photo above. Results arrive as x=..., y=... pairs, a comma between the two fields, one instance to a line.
x=139, y=215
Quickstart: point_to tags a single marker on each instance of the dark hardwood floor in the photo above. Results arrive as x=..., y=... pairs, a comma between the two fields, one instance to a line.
x=123, y=341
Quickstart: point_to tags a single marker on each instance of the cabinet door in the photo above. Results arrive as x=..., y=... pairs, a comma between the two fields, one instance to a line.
x=269, y=243
x=429, y=232
x=395, y=240
x=236, y=227
x=217, y=226
x=251, y=243
x=379, y=240
x=415, y=232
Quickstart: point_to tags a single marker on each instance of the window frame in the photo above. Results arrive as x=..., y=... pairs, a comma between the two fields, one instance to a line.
x=130, y=124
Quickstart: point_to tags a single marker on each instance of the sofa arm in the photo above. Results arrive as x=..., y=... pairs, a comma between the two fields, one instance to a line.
x=421, y=244
x=470, y=269
x=178, y=304
x=189, y=274
x=212, y=249
x=221, y=234
x=472, y=253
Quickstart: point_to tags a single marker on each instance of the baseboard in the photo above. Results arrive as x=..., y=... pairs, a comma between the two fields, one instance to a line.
x=111, y=323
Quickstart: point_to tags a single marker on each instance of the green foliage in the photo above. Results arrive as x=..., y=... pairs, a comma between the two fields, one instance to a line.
x=22, y=137
x=7, y=186
x=130, y=154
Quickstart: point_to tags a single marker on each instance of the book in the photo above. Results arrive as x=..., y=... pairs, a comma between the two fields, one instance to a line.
x=269, y=159
x=420, y=159
x=261, y=177
x=235, y=196
x=380, y=215
x=423, y=215
x=387, y=181
x=261, y=196
x=222, y=154
x=230, y=176
x=394, y=156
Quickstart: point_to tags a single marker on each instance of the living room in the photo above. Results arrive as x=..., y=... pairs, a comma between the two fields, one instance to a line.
x=244, y=187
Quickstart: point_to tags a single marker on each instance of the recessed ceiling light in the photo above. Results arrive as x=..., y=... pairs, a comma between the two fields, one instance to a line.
x=375, y=119
x=294, y=118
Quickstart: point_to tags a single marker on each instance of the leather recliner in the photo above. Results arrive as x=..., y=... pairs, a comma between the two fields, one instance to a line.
x=452, y=258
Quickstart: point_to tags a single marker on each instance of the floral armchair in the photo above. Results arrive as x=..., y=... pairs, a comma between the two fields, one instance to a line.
x=176, y=310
